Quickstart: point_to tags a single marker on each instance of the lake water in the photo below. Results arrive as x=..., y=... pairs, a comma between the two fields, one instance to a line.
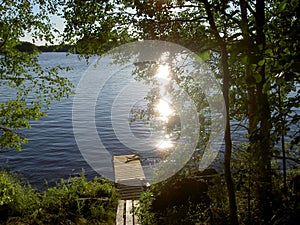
x=52, y=152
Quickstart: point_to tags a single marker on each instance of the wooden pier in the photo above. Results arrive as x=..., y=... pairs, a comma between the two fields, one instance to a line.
x=125, y=213
x=130, y=180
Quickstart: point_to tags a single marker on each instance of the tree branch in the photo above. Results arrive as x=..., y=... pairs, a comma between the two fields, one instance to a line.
x=240, y=125
x=250, y=9
x=179, y=20
x=288, y=158
x=211, y=20
x=6, y=129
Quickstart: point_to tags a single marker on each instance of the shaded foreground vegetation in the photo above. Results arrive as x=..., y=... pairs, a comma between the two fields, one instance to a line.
x=190, y=197
x=200, y=198
x=76, y=201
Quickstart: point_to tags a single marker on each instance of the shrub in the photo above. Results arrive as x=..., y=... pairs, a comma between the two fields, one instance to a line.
x=80, y=200
x=76, y=201
x=16, y=199
x=180, y=200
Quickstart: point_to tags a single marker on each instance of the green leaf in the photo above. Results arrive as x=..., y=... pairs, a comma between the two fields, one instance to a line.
x=257, y=77
x=205, y=55
x=244, y=59
x=269, y=52
x=261, y=62
x=282, y=6
x=20, y=70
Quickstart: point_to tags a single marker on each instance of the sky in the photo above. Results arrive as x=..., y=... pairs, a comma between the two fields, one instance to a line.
x=56, y=21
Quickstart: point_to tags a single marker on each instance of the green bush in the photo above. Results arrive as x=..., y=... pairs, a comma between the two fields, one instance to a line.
x=16, y=199
x=179, y=200
x=80, y=199
x=144, y=211
x=76, y=201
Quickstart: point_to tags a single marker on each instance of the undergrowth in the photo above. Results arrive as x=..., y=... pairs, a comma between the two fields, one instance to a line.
x=76, y=201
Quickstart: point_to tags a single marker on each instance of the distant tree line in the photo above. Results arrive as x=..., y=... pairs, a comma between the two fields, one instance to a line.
x=29, y=47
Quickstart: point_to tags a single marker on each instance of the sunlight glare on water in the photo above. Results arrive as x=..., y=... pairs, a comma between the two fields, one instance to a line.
x=163, y=72
x=164, y=110
x=165, y=144
x=163, y=107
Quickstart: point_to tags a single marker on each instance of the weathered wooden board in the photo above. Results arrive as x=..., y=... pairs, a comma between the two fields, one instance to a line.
x=129, y=216
x=135, y=217
x=125, y=213
x=120, y=213
x=129, y=176
x=128, y=168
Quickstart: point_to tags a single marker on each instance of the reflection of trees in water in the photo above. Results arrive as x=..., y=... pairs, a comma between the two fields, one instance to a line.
x=181, y=80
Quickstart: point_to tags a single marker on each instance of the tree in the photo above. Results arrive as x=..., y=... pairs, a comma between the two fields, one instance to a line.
x=26, y=87
x=286, y=74
x=163, y=24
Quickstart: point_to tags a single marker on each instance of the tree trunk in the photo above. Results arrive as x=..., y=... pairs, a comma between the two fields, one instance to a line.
x=227, y=138
x=258, y=110
x=262, y=151
x=251, y=103
x=227, y=135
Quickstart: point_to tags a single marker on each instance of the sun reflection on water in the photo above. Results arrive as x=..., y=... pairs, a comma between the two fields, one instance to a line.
x=165, y=144
x=163, y=72
x=164, y=110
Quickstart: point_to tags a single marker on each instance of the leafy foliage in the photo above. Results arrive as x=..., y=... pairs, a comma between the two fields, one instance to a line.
x=31, y=88
x=14, y=196
x=179, y=200
x=95, y=26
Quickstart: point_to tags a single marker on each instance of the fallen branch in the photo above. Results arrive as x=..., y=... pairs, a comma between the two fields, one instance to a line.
x=102, y=199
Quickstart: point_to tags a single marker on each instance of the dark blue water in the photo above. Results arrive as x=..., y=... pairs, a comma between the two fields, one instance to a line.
x=51, y=152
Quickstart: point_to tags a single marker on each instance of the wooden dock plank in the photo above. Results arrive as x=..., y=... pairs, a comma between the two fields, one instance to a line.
x=120, y=213
x=126, y=214
x=135, y=217
x=129, y=176
x=127, y=169
x=129, y=216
